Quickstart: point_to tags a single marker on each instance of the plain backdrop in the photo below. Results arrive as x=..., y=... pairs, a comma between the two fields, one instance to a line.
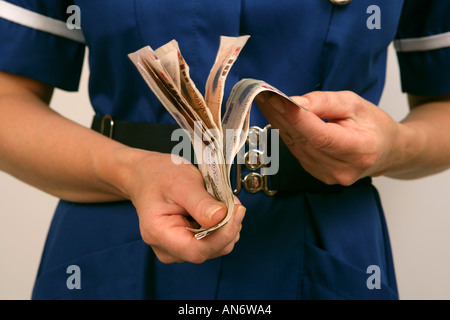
x=417, y=213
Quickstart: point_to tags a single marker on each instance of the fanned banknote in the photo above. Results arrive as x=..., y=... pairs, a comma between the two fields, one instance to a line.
x=167, y=75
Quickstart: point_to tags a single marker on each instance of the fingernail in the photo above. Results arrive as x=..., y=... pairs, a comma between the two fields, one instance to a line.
x=276, y=104
x=302, y=101
x=213, y=210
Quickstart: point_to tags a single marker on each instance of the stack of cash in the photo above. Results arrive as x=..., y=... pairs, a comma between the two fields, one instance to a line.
x=167, y=75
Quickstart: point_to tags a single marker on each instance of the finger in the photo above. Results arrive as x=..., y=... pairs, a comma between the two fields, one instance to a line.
x=312, y=154
x=304, y=125
x=229, y=248
x=318, y=163
x=329, y=105
x=297, y=144
x=188, y=191
x=294, y=123
x=274, y=117
x=265, y=102
x=176, y=243
x=322, y=167
x=222, y=241
x=225, y=235
x=165, y=257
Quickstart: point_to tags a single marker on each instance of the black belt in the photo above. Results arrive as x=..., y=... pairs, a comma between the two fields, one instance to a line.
x=291, y=177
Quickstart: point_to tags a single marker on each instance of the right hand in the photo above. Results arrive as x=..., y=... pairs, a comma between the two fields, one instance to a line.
x=167, y=196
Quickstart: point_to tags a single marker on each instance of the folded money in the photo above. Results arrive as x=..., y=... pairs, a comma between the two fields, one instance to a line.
x=167, y=74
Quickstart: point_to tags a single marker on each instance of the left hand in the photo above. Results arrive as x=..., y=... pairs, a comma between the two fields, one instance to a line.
x=357, y=139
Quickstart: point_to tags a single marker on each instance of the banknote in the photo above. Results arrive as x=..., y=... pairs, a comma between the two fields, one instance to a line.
x=166, y=73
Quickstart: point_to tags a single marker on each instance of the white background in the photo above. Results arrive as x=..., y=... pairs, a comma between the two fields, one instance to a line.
x=417, y=214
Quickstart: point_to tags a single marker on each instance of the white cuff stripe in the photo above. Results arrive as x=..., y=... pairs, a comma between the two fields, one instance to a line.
x=438, y=41
x=16, y=14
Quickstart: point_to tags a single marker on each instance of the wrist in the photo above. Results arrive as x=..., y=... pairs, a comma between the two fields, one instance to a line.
x=408, y=146
x=127, y=168
x=114, y=168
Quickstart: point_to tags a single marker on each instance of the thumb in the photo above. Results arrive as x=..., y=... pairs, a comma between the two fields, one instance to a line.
x=199, y=204
x=328, y=105
x=209, y=212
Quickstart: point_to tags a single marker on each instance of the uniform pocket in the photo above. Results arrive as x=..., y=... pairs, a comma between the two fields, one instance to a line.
x=107, y=274
x=326, y=277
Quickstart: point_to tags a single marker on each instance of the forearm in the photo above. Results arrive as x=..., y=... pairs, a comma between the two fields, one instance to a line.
x=423, y=141
x=58, y=156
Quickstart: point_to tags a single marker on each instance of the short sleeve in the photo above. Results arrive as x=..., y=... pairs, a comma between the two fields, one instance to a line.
x=36, y=42
x=423, y=47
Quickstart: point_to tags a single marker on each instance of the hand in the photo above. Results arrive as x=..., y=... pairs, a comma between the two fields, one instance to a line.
x=356, y=140
x=167, y=197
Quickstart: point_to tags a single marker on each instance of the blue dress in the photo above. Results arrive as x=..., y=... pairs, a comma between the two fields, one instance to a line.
x=296, y=246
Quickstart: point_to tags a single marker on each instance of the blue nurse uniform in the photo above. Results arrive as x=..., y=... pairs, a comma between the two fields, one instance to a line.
x=317, y=245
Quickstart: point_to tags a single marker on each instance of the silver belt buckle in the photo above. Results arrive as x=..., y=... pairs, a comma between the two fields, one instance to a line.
x=253, y=159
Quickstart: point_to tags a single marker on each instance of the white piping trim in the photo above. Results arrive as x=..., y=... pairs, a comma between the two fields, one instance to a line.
x=27, y=18
x=438, y=41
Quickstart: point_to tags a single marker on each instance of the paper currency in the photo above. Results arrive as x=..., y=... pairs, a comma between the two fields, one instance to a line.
x=167, y=75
